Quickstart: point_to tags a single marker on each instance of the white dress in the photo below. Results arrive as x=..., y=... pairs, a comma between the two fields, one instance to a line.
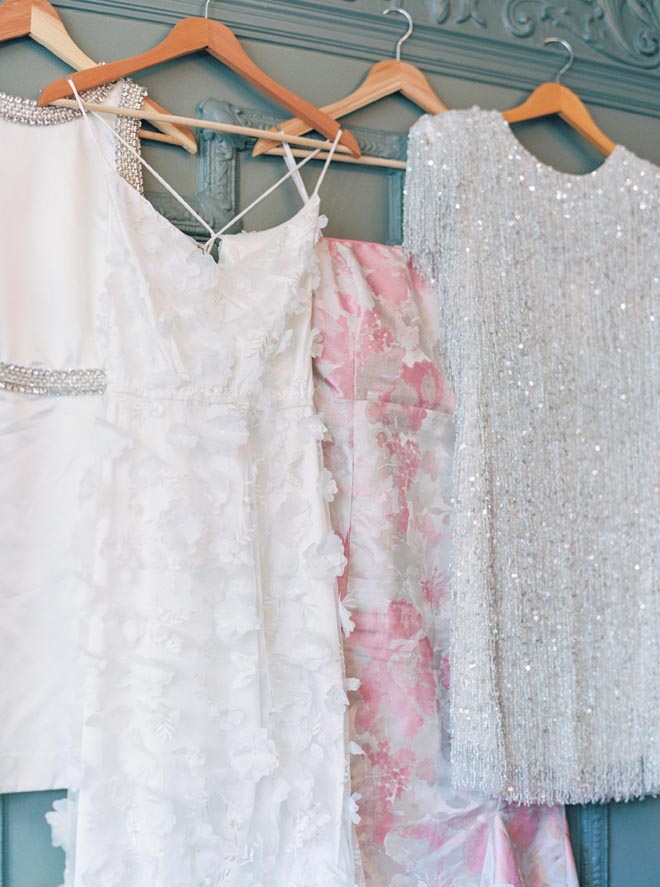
x=214, y=735
x=53, y=236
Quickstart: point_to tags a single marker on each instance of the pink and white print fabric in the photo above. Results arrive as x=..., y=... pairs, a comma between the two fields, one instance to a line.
x=388, y=410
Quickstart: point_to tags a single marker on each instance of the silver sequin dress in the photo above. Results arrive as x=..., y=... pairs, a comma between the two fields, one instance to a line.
x=549, y=287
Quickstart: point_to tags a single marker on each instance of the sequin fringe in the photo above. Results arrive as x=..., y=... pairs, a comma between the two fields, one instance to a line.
x=549, y=292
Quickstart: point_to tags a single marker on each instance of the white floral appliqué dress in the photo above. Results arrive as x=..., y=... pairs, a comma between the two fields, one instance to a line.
x=214, y=729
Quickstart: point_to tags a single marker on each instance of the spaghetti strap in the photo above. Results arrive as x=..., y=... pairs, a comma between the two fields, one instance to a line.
x=290, y=161
x=292, y=172
x=328, y=160
x=137, y=155
x=85, y=117
x=209, y=243
x=215, y=235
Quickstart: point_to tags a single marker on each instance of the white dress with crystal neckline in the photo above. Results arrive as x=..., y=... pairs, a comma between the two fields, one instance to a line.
x=53, y=233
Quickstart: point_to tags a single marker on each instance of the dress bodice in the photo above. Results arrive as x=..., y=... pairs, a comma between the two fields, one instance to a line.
x=55, y=265
x=227, y=331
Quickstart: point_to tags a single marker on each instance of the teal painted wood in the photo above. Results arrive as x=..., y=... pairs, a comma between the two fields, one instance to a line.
x=589, y=829
x=3, y=880
x=618, y=51
x=27, y=858
x=634, y=835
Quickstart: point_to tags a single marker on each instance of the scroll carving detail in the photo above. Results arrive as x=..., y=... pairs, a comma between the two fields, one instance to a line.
x=216, y=196
x=627, y=31
x=466, y=11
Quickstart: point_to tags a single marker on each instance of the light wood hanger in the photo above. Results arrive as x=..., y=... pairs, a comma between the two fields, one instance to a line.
x=555, y=98
x=192, y=35
x=383, y=79
x=342, y=154
x=40, y=20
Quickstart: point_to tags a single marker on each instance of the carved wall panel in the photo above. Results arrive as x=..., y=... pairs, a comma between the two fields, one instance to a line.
x=215, y=198
x=460, y=12
x=626, y=32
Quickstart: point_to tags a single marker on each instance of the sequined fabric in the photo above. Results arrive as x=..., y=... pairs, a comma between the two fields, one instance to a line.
x=388, y=409
x=127, y=129
x=549, y=289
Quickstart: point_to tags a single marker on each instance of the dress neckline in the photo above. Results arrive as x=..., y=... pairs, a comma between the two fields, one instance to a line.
x=311, y=207
x=504, y=131
x=610, y=160
x=26, y=112
x=313, y=201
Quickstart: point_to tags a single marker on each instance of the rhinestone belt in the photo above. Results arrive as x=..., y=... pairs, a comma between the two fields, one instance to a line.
x=51, y=383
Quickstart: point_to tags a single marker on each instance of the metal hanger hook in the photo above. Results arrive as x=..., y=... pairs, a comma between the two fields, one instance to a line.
x=571, y=55
x=206, y=9
x=411, y=27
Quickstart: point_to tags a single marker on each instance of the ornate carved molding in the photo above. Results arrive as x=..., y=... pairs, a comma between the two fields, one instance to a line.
x=465, y=11
x=627, y=31
x=215, y=198
x=372, y=141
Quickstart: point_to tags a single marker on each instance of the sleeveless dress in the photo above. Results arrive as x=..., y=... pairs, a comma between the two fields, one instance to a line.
x=214, y=728
x=549, y=289
x=53, y=236
x=385, y=399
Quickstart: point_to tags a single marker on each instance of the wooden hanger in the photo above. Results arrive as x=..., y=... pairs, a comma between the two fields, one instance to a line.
x=191, y=35
x=555, y=98
x=384, y=78
x=40, y=20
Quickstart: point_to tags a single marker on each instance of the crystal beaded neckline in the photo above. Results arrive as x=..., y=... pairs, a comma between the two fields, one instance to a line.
x=16, y=109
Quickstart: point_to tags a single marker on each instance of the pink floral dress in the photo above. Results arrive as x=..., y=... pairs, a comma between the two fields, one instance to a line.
x=381, y=389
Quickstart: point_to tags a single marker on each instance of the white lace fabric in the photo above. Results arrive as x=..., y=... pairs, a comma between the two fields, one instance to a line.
x=214, y=738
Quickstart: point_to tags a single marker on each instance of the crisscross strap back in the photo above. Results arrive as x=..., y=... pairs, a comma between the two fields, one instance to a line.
x=215, y=235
